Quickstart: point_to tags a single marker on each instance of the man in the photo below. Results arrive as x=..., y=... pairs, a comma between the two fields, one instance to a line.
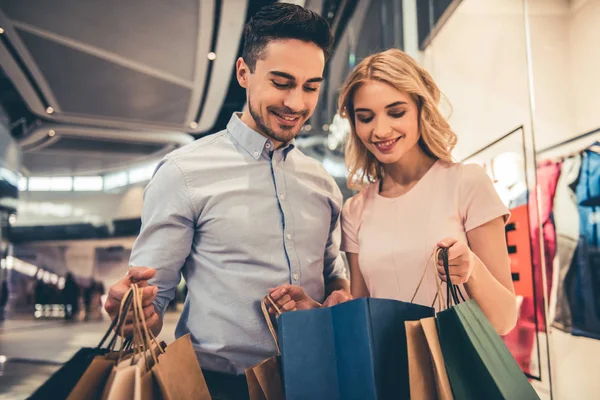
x=242, y=211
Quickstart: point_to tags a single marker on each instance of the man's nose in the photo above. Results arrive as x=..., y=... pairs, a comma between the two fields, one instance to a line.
x=294, y=100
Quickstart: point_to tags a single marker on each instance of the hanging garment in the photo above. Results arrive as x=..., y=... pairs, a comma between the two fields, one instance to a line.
x=586, y=305
x=521, y=340
x=548, y=174
x=566, y=219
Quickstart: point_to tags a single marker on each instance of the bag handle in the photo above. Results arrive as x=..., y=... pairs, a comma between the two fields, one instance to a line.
x=117, y=322
x=145, y=336
x=439, y=294
x=263, y=306
x=452, y=290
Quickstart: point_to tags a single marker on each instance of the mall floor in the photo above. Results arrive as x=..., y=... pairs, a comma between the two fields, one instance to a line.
x=34, y=350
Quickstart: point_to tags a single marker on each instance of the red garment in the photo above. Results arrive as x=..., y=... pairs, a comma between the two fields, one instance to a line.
x=520, y=340
x=547, y=178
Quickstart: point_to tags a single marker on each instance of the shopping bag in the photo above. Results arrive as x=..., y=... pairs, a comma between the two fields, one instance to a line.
x=92, y=383
x=427, y=373
x=155, y=371
x=478, y=363
x=426, y=369
x=354, y=350
x=264, y=379
x=178, y=372
x=125, y=379
x=62, y=382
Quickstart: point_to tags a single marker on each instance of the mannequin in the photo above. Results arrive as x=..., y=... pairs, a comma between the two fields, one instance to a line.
x=509, y=174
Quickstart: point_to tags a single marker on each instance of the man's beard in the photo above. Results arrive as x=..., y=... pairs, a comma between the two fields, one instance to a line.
x=288, y=133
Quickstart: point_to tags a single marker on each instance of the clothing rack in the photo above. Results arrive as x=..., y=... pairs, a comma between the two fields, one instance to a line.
x=595, y=132
x=495, y=142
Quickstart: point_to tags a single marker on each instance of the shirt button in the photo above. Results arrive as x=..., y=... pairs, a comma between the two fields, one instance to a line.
x=282, y=196
x=268, y=145
x=256, y=154
x=295, y=277
x=289, y=236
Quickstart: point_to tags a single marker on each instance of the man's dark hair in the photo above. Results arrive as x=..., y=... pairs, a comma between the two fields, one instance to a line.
x=283, y=21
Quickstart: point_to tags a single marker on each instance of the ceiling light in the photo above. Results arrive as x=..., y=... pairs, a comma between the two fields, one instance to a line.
x=307, y=128
x=212, y=56
x=49, y=110
x=51, y=133
x=1, y=31
x=325, y=128
x=12, y=219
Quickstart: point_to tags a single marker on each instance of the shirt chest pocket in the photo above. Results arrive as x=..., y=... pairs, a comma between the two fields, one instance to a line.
x=229, y=225
x=312, y=224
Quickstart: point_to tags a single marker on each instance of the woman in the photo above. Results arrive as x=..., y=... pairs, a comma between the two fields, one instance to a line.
x=413, y=198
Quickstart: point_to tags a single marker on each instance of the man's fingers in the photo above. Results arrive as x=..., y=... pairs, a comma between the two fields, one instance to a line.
x=138, y=274
x=149, y=295
x=289, y=306
x=279, y=293
x=148, y=312
x=151, y=322
x=115, y=295
x=285, y=299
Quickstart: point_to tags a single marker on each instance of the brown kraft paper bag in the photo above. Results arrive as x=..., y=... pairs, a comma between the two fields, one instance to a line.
x=264, y=379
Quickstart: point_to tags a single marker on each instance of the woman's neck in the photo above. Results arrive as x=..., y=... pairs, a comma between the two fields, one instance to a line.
x=409, y=169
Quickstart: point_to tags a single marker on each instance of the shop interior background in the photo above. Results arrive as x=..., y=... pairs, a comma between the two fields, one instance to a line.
x=93, y=94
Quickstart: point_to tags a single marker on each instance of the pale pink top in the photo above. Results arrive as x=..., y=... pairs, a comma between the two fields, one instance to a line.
x=395, y=237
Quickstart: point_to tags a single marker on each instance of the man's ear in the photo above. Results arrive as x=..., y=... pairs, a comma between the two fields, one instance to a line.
x=242, y=72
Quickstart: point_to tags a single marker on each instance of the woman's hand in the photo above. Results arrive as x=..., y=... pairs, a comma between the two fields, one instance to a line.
x=461, y=261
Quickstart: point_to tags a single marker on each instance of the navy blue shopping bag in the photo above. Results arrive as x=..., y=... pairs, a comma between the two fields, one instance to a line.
x=355, y=350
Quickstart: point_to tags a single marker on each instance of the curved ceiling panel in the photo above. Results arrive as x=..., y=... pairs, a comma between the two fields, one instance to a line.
x=169, y=26
x=57, y=150
x=231, y=26
x=138, y=64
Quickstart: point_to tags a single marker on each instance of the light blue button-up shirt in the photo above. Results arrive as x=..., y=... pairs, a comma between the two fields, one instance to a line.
x=235, y=218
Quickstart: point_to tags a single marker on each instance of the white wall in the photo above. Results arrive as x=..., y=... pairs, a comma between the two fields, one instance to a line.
x=584, y=36
x=479, y=61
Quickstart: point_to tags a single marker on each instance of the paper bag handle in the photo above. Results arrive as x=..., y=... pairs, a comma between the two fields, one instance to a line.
x=452, y=290
x=438, y=295
x=263, y=306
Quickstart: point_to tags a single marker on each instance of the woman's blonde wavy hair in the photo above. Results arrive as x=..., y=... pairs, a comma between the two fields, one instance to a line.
x=399, y=70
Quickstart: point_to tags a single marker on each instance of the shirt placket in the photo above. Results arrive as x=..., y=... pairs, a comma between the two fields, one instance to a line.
x=288, y=221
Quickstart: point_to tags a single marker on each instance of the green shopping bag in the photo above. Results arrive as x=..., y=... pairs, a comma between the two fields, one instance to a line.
x=478, y=363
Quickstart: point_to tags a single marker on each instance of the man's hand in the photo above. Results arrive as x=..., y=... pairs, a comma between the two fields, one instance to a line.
x=291, y=298
x=139, y=275
x=337, y=297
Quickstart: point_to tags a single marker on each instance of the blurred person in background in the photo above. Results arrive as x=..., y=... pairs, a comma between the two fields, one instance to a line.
x=70, y=296
x=4, y=294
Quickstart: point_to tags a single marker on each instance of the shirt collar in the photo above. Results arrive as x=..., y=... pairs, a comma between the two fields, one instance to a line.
x=252, y=141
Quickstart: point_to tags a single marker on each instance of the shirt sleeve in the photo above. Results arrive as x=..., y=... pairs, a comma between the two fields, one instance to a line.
x=350, y=217
x=479, y=202
x=165, y=239
x=334, y=267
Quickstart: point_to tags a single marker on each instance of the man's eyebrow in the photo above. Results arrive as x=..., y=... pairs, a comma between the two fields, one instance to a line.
x=285, y=75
